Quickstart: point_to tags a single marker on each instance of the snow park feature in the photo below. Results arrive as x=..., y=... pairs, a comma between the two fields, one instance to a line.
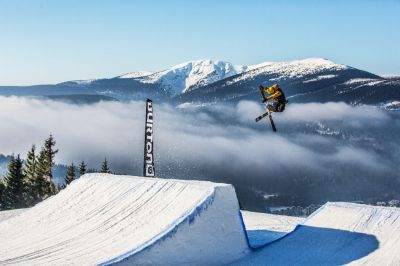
x=104, y=219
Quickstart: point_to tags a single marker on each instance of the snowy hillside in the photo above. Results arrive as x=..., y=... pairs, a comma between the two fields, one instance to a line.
x=291, y=69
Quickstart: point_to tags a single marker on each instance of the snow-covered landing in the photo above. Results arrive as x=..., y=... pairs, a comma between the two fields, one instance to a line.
x=108, y=219
x=263, y=228
x=337, y=234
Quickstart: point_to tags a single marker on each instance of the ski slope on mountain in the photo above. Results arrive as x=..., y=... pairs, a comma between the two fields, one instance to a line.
x=107, y=219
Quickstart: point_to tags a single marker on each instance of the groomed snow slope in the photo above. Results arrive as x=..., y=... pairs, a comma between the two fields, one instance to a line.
x=337, y=234
x=4, y=215
x=108, y=219
x=103, y=219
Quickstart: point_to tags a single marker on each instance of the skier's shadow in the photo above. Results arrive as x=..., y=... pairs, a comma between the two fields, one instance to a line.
x=308, y=245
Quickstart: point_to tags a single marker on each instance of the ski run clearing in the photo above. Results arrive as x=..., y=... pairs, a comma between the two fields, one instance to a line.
x=103, y=219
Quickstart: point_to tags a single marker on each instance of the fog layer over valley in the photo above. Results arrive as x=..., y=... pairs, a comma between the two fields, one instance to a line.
x=321, y=152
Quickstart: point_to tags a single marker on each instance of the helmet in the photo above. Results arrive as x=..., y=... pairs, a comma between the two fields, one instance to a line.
x=272, y=89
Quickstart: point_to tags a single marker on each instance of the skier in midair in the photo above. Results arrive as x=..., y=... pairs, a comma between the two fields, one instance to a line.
x=276, y=94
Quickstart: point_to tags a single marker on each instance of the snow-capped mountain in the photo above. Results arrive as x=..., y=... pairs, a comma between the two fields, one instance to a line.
x=292, y=69
x=313, y=79
x=208, y=81
x=192, y=75
x=189, y=76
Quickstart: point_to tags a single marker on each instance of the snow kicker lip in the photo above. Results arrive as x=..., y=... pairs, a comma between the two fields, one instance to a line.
x=168, y=233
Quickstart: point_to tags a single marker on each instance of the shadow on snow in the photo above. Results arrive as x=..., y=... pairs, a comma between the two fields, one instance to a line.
x=308, y=245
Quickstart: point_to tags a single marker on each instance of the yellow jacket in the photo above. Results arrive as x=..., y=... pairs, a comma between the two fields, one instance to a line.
x=275, y=95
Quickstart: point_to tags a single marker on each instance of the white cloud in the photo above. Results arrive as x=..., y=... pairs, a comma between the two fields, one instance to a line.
x=220, y=136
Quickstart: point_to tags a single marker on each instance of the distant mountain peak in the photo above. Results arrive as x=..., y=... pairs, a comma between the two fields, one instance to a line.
x=291, y=69
x=192, y=74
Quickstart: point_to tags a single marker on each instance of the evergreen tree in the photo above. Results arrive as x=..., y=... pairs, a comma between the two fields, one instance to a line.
x=70, y=174
x=45, y=163
x=42, y=182
x=2, y=194
x=50, y=152
x=82, y=168
x=14, y=193
x=104, y=167
x=31, y=178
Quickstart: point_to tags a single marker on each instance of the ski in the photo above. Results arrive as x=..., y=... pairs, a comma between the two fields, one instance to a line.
x=261, y=116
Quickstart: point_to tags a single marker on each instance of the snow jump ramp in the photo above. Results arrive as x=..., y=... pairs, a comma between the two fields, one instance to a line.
x=102, y=219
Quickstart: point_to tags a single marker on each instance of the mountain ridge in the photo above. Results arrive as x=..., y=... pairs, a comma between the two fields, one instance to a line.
x=311, y=79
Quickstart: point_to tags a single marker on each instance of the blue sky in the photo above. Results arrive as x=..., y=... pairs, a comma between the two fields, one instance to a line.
x=53, y=41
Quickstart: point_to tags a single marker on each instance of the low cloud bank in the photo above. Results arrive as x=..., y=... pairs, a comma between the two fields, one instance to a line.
x=321, y=152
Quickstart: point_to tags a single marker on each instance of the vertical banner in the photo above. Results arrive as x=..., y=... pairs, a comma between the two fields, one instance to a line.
x=148, y=168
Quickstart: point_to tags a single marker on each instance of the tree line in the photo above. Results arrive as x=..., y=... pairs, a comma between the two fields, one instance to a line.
x=31, y=181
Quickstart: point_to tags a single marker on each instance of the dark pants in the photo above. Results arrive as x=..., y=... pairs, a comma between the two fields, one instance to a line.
x=277, y=107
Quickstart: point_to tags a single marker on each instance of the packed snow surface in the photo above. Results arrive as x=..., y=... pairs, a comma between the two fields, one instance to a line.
x=263, y=228
x=337, y=234
x=108, y=219
x=4, y=215
x=103, y=219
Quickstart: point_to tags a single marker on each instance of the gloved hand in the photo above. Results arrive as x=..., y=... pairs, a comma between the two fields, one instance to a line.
x=261, y=87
